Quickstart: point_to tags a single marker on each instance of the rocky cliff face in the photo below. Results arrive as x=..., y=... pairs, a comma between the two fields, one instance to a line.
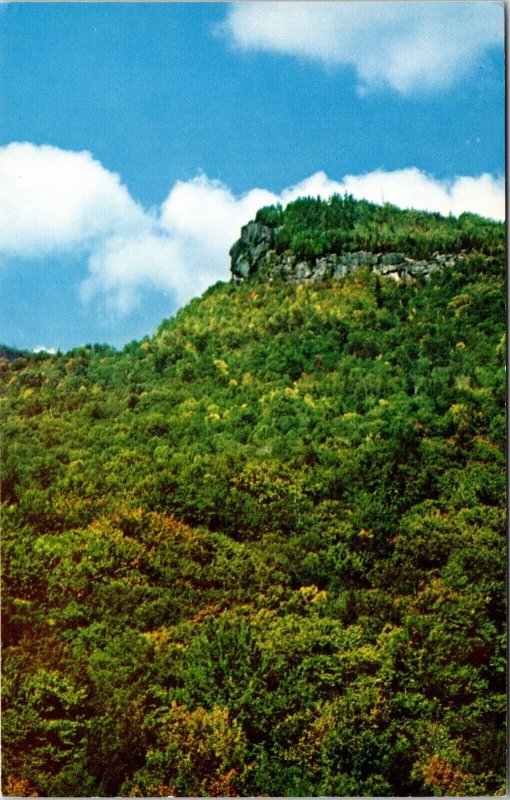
x=248, y=253
x=255, y=252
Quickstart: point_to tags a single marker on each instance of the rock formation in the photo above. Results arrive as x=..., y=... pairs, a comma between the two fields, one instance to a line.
x=254, y=252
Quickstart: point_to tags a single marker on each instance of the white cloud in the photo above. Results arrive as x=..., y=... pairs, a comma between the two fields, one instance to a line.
x=205, y=218
x=54, y=202
x=408, y=46
x=411, y=188
x=317, y=185
x=204, y=212
x=184, y=254
x=53, y=199
x=39, y=348
x=124, y=264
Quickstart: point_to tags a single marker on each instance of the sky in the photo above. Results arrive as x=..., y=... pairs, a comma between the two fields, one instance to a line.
x=136, y=139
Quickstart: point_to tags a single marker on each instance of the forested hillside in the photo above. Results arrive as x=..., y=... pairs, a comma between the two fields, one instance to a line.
x=263, y=551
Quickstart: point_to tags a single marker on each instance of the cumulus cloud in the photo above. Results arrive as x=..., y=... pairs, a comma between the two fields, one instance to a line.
x=217, y=209
x=125, y=264
x=53, y=199
x=184, y=253
x=55, y=202
x=411, y=188
x=406, y=46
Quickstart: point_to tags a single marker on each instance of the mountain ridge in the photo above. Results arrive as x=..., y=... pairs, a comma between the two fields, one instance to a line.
x=263, y=550
x=254, y=254
x=314, y=239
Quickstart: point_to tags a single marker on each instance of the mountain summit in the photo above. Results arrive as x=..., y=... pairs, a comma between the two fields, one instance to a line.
x=312, y=240
x=262, y=552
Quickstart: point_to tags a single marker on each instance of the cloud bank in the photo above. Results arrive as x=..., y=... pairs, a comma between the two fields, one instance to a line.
x=55, y=199
x=409, y=47
x=55, y=202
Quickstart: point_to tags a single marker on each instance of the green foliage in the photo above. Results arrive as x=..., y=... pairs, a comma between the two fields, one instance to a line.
x=263, y=552
x=311, y=227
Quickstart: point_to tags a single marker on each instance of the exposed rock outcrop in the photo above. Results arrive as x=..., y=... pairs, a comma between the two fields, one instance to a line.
x=249, y=251
x=255, y=252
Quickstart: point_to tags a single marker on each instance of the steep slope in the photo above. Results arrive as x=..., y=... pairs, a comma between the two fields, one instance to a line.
x=264, y=550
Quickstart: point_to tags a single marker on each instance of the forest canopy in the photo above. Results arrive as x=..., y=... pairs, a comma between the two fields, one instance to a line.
x=263, y=551
x=313, y=227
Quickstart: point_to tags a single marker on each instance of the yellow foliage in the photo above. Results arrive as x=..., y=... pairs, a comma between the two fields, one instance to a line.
x=159, y=637
x=311, y=594
x=458, y=410
x=222, y=365
x=18, y=787
x=440, y=775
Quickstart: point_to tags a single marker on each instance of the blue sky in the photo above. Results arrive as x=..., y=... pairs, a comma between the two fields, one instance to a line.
x=134, y=138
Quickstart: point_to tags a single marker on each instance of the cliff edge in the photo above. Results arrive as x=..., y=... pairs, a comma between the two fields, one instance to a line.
x=255, y=253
